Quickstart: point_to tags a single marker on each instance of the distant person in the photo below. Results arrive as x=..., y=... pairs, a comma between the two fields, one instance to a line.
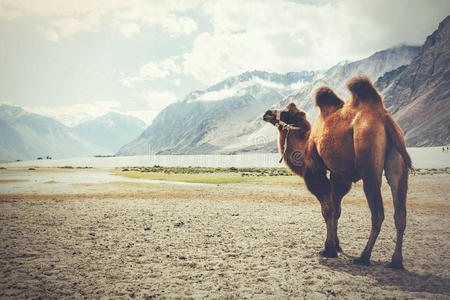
x=447, y=148
x=443, y=150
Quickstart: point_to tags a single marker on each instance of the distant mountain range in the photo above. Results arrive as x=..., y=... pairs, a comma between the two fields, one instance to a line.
x=27, y=135
x=226, y=118
x=205, y=121
x=111, y=131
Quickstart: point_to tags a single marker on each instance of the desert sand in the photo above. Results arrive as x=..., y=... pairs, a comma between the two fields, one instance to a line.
x=136, y=240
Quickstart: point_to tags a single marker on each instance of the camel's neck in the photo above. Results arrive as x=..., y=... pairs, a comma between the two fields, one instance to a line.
x=295, y=144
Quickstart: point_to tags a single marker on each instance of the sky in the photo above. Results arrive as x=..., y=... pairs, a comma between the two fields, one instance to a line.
x=76, y=60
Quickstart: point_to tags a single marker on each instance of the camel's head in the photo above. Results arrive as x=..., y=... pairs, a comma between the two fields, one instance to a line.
x=291, y=115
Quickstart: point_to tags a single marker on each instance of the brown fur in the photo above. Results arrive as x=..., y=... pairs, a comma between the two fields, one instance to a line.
x=327, y=101
x=356, y=140
x=362, y=89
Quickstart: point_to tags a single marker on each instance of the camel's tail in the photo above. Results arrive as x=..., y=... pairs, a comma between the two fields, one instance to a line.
x=395, y=136
x=362, y=90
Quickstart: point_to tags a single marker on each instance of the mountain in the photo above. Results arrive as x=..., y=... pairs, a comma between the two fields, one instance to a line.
x=205, y=121
x=26, y=136
x=226, y=118
x=110, y=131
x=259, y=136
x=418, y=94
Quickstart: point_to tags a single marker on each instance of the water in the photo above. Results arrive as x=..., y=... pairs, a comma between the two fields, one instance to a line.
x=429, y=157
x=40, y=182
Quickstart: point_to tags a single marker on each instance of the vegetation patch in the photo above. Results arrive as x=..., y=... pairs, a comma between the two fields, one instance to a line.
x=51, y=182
x=432, y=171
x=13, y=180
x=209, y=175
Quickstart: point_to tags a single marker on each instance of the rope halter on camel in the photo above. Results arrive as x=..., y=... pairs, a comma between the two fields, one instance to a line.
x=284, y=126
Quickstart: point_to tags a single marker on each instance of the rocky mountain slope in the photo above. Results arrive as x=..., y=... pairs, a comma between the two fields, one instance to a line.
x=206, y=121
x=418, y=95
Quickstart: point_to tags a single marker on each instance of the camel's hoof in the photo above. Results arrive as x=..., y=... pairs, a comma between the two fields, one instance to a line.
x=328, y=253
x=395, y=265
x=361, y=261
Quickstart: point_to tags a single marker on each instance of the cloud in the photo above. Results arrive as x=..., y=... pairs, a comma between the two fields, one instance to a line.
x=158, y=100
x=159, y=70
x=69, y=18
x=154, y=70
x=145, y=115
x=129, y=29
x=74, y=114
x=286, y=36
x=239, y=89
x=51, y=36
x=129, y=81
x=68, y=26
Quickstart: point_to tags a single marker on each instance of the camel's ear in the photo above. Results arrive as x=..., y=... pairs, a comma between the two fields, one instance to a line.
x=291, y=106
x=300, y=115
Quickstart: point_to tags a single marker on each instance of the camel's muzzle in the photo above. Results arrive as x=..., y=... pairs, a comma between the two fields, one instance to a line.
x=271, y=116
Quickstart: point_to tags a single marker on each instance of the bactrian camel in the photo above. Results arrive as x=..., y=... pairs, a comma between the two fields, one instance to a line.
x=352, y=140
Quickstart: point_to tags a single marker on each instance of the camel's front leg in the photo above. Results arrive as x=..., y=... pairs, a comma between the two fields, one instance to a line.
x=319, y=185
x=331, y=243
x=338, y=190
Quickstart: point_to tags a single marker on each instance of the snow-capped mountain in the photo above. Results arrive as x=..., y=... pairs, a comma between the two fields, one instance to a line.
x=26, y=135
x=260, y=136
x=205, y=121
x=226, y=118
x=110, y=131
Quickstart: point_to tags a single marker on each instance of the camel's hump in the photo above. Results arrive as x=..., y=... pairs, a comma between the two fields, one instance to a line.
x=363, y=90
x=327, y=100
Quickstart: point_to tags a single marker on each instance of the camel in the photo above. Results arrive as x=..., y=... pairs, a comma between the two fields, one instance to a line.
x=352, y=140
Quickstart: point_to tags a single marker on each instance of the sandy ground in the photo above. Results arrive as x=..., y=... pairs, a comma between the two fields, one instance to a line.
x=229, y=241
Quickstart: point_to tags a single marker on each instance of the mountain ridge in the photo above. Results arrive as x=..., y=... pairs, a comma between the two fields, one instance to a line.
x=194, y=124
x=233, y=124
x=27, y=135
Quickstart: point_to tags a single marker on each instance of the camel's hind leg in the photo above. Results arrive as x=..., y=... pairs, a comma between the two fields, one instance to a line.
x=397, y=177
x=372, y=190
x=369, y=159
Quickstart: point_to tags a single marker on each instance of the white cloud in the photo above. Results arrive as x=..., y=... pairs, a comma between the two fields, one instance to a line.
x=69, y=26
x=145, y=115
x=154, y=70
x=129, y=29
x=158, y=100
x=69, y=17
x=129, y=81
x=285, y=36
x=239, y=89
x=74, y=114
x=51, y=36
x=159, y=70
